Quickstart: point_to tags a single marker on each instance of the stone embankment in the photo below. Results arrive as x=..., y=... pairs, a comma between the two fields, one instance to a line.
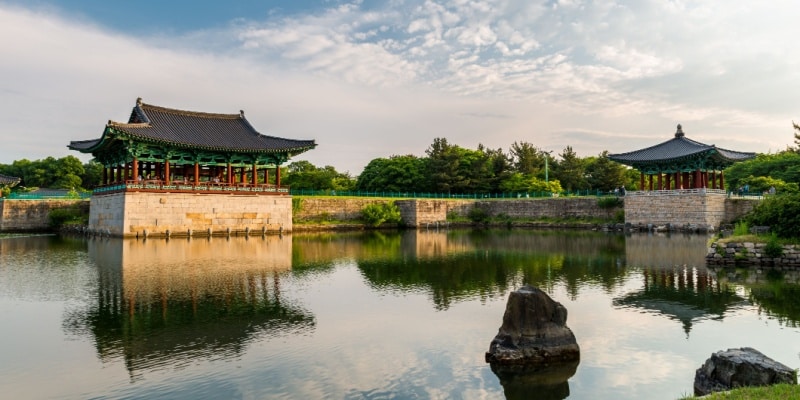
x=751, y=254
x=32, y=215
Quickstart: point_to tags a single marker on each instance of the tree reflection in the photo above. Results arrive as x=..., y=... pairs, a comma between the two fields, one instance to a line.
x=775, y=292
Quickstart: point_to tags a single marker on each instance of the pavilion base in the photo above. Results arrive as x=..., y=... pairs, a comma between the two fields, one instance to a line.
x=141, y=214
x=702, y=210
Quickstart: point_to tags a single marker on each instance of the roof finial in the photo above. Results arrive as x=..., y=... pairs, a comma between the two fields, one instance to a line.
x=241, y=112
x=138, y=101
x=679, y=132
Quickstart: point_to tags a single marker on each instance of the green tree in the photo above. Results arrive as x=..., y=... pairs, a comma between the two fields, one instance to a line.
x=306, y=176
x=571, y=171
x=527, y=158
x=393, y=174
x=604, y=174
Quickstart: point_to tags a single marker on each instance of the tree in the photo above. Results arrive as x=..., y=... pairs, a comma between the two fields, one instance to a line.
x=604, y=174
x=304, y=175
x=527, y=158
x=571, y=171
x=393, y=174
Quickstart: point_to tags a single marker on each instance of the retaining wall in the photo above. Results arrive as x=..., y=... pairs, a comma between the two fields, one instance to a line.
x=32, y=215
x=131, y=214
x=700, y=209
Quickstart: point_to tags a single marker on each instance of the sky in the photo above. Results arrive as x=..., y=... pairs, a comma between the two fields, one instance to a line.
x=372, y=79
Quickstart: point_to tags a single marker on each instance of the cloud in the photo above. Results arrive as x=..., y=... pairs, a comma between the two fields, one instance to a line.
x=368, y=82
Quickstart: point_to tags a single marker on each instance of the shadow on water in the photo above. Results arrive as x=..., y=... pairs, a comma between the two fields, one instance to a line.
x=166, y=302
x=547, y=383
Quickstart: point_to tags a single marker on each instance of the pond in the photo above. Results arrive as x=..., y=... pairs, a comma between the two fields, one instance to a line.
x=400, y=315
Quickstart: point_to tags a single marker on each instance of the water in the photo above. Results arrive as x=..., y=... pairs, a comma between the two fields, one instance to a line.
x=377, y=315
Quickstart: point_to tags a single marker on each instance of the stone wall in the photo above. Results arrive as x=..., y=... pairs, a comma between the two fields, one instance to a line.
x=331, y=208
x=32, y=215
x=139, y=213
x=699, y=209
x=753, y=254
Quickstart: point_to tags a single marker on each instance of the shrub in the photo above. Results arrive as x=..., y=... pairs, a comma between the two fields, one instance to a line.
x=773, y=248
x=741, y=228
x=59, y=217
x=376, y=214
x=478, y=215
x=609, y=202
x=781, y=213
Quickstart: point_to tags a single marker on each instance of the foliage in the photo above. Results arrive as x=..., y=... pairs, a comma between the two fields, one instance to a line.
x=304, y=175
x=63, y=173
x=781, y=213
x=571, y=171
x=66, y=216
x=478, y=215
x=773, y=248
x=609, y=202
x=604, y=174
x=297, y=205
x=781, y=167
x=393, y=174
x=741, y=228
x=375, y=214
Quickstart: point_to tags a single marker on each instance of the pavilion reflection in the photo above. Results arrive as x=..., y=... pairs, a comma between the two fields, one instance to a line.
x=167, y=302
x=675, y=280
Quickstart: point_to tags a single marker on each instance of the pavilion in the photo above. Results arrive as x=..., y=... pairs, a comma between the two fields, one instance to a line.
x=681, y=163
x=175, y=172
x=168, y=149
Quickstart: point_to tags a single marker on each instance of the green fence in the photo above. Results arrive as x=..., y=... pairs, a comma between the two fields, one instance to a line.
x=46, y=196
x=426, y=195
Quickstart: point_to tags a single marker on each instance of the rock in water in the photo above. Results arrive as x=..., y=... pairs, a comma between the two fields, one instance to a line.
x=734, y=368
x=534, y=332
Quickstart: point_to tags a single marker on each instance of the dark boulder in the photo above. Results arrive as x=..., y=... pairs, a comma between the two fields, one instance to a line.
x=533, y=333
x=734, y=368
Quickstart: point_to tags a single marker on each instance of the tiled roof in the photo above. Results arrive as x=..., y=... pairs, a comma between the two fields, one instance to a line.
x=221, y=132
x=677, y=148
x=8, y=180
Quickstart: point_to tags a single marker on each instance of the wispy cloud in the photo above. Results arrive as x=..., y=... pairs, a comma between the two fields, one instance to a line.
x=368, y=82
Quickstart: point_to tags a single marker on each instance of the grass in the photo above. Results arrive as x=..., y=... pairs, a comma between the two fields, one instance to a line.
x=782, y=391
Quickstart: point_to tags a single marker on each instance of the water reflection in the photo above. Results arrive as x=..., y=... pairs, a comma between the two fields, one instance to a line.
x=774, y=291
x=462, y=265
x=548, y=383
x=166, y=302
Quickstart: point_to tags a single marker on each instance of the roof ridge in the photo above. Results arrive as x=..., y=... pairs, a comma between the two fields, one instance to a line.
x=188, y=113
x=128, y=124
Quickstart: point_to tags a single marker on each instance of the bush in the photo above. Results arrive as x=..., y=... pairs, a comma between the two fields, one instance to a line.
x=478, y=215
x=781, y=213
x=741, y=228
x=773, y=248
x=376, y=214
x=66, y=216
x=609, y=202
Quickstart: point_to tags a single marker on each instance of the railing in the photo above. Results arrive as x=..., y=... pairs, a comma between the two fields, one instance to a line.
x=202, y=187
x=47, y=196
x=434, y=195
x=674, y=192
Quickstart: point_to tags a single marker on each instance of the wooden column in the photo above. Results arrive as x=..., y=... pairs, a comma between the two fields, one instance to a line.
x=196, y=173
x=105, y=175
x=167, y=177
x=641, y=180
x=650, y=182
x=266, y=176
x=242, y=175
x=660, y=184
x=254, y=178
x=721, y=180
x=713, y=179
x=229, y=178
x=278, y=175
x=135, y=169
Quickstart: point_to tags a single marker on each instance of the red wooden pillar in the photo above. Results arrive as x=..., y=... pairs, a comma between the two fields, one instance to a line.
x=242, y=175
x=135, y=169
x=713, y=180
x=278, y=176
x=196, y=173
x=167, y=177
x=650, y=182
x=229, y=176
x=641, y=180
x=254, y=178
x=721, y=180
x=660, y=184
x=105, y=175
x=266, y=176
